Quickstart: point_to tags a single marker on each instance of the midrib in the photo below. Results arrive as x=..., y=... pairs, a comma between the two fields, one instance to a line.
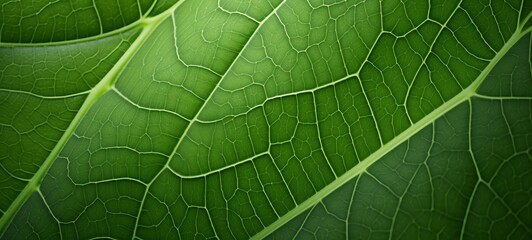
x=361, y=167
x=148, y=26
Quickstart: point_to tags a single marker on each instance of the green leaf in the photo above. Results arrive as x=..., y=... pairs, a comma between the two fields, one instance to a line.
x=252, y=119
x=452, y=178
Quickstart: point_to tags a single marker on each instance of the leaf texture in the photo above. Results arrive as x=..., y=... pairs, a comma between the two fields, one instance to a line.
x=250, y=119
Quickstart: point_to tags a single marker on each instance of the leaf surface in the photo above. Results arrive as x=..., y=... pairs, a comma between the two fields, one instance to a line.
x=241, y=119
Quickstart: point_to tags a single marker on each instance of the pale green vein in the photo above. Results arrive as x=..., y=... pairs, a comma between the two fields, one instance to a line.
x=78, y=40
x=14, y=91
